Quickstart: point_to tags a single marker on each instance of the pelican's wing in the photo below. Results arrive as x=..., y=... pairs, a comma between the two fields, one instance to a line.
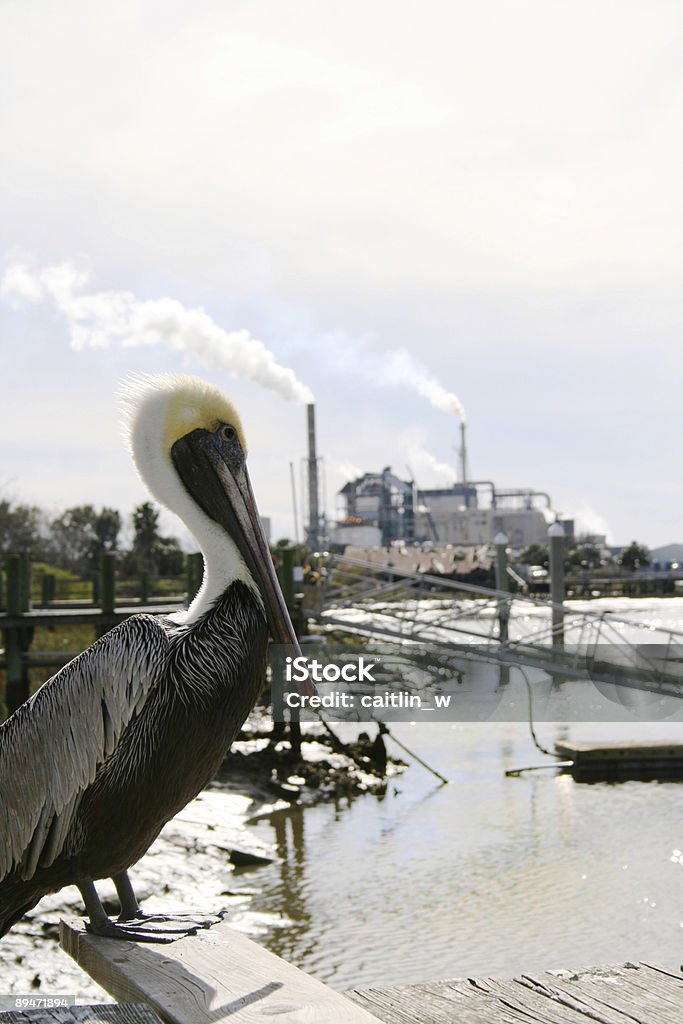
x=51, y=746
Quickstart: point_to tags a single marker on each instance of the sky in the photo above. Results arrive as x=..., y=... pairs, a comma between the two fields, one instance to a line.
x=410, y=211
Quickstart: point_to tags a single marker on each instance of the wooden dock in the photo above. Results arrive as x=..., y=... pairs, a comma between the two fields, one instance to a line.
x=106, y=1013
x=651, y=759
x=623, y=994
x=216, y=975
x=220, y=976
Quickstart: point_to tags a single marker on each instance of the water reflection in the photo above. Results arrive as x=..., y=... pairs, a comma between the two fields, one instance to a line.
x=485, y=876
x=288, y=829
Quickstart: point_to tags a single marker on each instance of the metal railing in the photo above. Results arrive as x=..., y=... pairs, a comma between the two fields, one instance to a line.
x=382, y=601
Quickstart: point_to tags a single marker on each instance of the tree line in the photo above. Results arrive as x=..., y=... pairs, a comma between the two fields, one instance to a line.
x=75, y=539
x=584, y=556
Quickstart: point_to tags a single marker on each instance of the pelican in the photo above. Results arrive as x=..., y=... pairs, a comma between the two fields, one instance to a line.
x=119, y=740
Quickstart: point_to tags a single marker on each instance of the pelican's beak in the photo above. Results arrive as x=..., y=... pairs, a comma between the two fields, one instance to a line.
x=245, y=527
x=223, y=489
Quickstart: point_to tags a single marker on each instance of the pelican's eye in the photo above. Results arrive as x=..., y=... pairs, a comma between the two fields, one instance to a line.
x=227, y=433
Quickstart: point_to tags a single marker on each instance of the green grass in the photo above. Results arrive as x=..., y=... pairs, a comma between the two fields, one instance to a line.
x=68, y=586
x=51, y=638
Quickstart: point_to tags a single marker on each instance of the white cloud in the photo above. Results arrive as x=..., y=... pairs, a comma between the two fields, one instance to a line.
x=18, y=281
x=483, y=145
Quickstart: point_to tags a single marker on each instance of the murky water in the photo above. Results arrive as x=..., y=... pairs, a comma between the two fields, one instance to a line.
x=488, y=875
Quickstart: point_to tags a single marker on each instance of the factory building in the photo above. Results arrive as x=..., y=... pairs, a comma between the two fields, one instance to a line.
x=380, y=509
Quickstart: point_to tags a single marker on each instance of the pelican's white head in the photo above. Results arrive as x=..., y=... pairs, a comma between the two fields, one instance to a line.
x=188, y=445
x=157, y=412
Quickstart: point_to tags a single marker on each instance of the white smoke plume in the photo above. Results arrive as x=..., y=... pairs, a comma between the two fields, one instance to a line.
x=345, y=469
x=400, y=368
x=101, y=319
x=391, y=368
x=428, y=470
x=588, y=521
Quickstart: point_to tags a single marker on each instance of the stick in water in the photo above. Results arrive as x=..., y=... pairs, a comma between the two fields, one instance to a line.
x=385, y=731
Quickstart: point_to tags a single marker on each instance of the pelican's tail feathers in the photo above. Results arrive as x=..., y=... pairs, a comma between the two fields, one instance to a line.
x=17, y=897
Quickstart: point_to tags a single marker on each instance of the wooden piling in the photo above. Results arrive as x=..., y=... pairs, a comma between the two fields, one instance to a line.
x=24, y=583
x=194, y=569
x=108, y=582
x=16, y=638
x=47, y=588
x=502, y=583
x=556, y=538
x=285, y=574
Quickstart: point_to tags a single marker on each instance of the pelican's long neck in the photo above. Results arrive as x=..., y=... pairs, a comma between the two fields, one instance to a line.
x=223, y=566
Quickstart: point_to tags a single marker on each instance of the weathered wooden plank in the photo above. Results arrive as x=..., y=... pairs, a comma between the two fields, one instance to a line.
x=656, y=759
x=105, y=1013
x=622, y=994
x=519, y=1006
x=663, y=980
x=212, y=976
x=81, y=615
x=617, y=750
x=470, y=1001
x=426, y=1004
x=625, y=993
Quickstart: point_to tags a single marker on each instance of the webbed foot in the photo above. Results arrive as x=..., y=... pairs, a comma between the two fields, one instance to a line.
x=187, y=924
x=131, y=932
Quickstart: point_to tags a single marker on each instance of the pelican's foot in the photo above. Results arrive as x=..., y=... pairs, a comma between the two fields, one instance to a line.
x=130, y=932
x=180, y=924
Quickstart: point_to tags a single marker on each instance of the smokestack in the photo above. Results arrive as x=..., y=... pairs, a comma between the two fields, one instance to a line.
x=463, y=464
x=313, y=531
x=463, y=454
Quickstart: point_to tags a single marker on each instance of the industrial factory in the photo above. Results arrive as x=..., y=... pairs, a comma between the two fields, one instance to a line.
x=381, y=510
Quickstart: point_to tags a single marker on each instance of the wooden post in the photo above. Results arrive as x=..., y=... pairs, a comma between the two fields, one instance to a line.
x=502, y=583
x=24, y=582
x=194, y=569
x=47, y=585
x=285, y=574
x=289, y=575
x=17, y=674
x=277, y=676
x=556, y=537
x=107, y=583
